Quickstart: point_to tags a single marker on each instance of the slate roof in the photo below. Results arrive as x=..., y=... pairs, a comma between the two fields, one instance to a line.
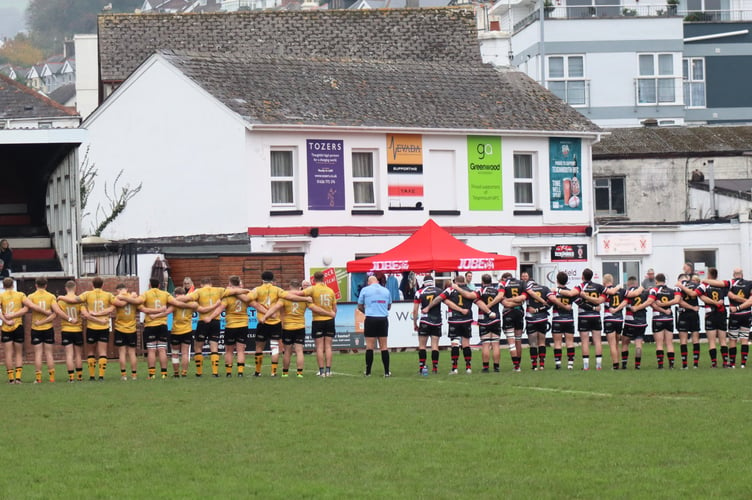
x=64, y=93
x=283, y=90
x=445, y=35
x=650, y=142
x=17, y=101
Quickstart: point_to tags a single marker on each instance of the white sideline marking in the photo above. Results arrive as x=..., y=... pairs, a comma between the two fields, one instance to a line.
x=566, y=391
x=344, y=374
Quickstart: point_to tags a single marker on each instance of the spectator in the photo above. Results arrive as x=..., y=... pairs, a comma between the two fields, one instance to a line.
x=649, y=281
x=6, y=255
x=4, y=273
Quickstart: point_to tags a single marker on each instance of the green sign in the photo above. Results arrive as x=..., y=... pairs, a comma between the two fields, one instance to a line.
x=565, y=157
x=484, y=172
x=336, y=279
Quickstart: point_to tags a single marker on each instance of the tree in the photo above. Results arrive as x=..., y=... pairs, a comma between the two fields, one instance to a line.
x=117, y=196
x=20, y=51
x=50, y=22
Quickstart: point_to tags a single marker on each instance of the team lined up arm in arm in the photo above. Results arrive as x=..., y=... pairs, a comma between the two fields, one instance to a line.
x=64, y=315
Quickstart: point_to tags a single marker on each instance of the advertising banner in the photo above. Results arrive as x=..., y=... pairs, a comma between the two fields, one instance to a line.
x=326, y=174
x=404, y=170
x=335, y=278
x=565, y=173
x=484, y=172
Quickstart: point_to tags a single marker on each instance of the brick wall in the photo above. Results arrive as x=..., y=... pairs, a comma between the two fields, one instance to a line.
x=57, y=287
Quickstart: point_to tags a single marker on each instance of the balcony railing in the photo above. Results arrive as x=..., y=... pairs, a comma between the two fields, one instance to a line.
x=618, y=11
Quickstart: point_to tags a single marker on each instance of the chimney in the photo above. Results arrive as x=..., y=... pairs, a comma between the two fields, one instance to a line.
x=650, y=122
x=412, y=4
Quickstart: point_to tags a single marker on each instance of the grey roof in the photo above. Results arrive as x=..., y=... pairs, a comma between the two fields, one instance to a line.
x=64, y=93
x=17, y=101
x=446, y=35
x=647, y=142
x=282, y=90
x=736, y=188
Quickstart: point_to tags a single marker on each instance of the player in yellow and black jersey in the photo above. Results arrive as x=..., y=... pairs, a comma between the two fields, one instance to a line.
x=235, y=305
x=269, y=325
x=156, y=335
x=13, y=311
x=42, y=334
x=181, y=337
x=322, y=327
x=97, y=309
x=293, y=326
x=126, y=307
x=71, y=327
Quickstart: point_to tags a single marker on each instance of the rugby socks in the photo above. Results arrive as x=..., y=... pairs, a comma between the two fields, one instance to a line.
x=79, y=374
x=570, y=356
x=624, y=359
x=435, y=360
x=228, y=370
x=486, y=366
x=37, y=377
x=696, y=354
x=199, y=359
x=585, y=362
x=11, y=375
x=684, y=354
x=214, y=357
x=713, y=357
x=659, y=356
x=598, y=361
x=515, y=362
x=724, y=355
x=497, y=367
x=745, y=353
x=51, y=373
x=133, y=375
x=122, y=373
x=163, y=371
x=259, y=362
x=534, y=357
x=541, y=357
x=385, y=361
x=421, y=359
x=732, y=356
x=637, y=362
x=671, y=358
x=455, y=356
x=91, y=362
x=71, y=375
x=275, y=365
x=557, y=358
x=299, y=373
x=19, y=372
x=241, y=369
x=369, y=361
x=467, y=353
x=102, y=366
x=152, y=371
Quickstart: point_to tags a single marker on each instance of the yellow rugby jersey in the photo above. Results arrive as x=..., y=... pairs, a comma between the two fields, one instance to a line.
x=74, y=312
x=266, y=295
x=43, y=299
x=294, y=315
x=154, y=298
x=182, y=321
x=236, y=312
x=97, y=300
x=12, y=301
x=206, y=296
x=125, y=318
x=324, y=297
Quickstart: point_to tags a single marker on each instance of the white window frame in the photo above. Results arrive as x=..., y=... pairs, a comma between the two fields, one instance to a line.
x=291, y=179
x=373, y=179
x=567, y=79
x=689, y=81
x=611, y=211
x=657, y=78
x=531, y=181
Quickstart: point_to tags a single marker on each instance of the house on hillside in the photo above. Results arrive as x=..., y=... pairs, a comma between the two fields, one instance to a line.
x=324, y=150
x=39, y=195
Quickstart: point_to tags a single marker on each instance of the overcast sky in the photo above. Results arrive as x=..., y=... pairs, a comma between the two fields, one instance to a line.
x=12, y=17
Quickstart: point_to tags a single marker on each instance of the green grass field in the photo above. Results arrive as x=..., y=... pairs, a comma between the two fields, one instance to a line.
x=550, y=434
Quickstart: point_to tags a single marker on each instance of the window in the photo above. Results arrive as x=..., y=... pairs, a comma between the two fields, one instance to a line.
x=693, y=74
x=593, y=8
x=708, y=10
x=524, y=185
x=609, y=196
x=621, y=270
x=282, y=179
x=364, y=185
x=656, y=82
x=701, y=259
x=566, y=79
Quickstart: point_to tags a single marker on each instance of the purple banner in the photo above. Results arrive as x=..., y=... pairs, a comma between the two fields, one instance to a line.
x=326, y=174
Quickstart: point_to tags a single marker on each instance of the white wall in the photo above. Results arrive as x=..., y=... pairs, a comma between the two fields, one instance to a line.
x=186, y=150
x=87, y=74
